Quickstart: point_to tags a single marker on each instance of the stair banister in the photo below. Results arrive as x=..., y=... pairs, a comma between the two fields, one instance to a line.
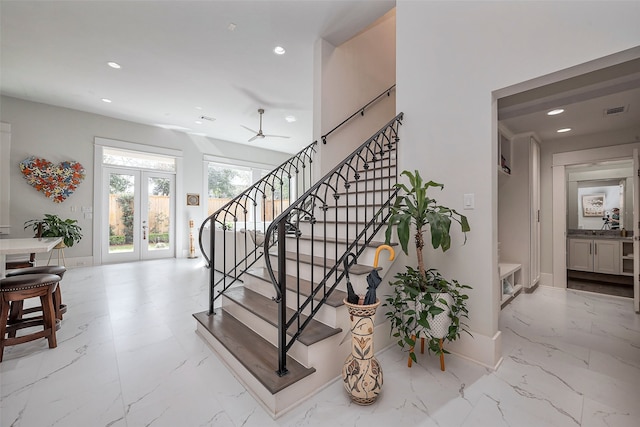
x=305, y=205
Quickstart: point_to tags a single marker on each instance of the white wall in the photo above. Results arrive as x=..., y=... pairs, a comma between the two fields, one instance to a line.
x=58, y=134
x=451, y=58
x=347, y=78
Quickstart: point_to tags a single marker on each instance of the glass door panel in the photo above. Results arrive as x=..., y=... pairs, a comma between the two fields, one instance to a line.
x=123, y=215
x=157, y=227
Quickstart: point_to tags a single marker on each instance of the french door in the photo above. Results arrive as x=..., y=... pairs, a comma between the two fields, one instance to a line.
x=139, y=217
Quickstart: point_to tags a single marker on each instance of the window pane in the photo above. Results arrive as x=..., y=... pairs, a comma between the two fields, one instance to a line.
x=121, y=212
x=159, y=213
x=224, y=183
x=117, y=157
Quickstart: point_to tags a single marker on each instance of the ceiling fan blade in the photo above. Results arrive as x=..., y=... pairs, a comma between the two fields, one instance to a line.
x=249, y=129
x=253, y=138
x=277, y=136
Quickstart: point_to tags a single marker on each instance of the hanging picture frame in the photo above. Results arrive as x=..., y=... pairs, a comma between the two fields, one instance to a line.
x=193, y=199
x=593, y=205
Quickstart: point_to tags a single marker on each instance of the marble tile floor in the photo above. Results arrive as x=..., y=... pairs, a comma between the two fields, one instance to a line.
x=128, y=356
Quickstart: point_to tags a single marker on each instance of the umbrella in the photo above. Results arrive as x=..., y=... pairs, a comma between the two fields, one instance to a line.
x=352, y=297
x=374, y=279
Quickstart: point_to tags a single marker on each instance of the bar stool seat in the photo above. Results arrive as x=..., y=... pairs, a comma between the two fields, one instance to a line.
x=57, y=296
x=20, y=288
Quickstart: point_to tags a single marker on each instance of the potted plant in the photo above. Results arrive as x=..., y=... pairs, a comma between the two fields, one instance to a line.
x=54, y=226
x=424, y=304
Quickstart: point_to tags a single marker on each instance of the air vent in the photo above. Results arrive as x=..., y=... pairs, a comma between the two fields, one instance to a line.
x=615, y=111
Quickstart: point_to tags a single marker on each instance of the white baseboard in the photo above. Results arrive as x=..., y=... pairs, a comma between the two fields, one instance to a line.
x=481, y=349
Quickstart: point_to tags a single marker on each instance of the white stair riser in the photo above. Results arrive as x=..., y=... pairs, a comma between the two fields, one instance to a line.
x=370, y=185
x=327, y=314
x=332, y=230
x=318, y=245
x=362, y=197
x=358, y=214
x=265, y=329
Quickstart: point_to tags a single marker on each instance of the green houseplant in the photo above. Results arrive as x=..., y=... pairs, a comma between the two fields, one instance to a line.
x=54, y=226
x=424, y=304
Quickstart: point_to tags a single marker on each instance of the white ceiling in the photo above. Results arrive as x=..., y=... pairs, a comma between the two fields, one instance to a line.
x=176, y=56
x=584, y=98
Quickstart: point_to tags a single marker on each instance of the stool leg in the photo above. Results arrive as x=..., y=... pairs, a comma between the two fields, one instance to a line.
x=4, y=315
x=57, y=302
x=15, y=313
x=49, y=319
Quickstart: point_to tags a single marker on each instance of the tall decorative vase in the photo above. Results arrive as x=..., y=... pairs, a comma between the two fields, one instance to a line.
x=361, y=372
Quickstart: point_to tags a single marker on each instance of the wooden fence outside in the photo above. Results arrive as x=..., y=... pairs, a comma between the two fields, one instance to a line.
x=272, y=208
x=159, y=210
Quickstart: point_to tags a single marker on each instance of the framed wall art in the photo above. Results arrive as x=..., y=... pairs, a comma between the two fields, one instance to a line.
x=593, y=205
x=193, y=199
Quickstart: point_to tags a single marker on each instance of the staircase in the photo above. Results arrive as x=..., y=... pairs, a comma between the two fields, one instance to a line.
x=277, y=317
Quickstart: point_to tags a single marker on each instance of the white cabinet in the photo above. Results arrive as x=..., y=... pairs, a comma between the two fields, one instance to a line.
x=5, y=165
x=519, y=208
x=598, y=256
x=510, y=282
x=626, y=258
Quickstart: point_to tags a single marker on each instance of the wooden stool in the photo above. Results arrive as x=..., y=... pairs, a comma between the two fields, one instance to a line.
x=20, y=288
x=59, y=307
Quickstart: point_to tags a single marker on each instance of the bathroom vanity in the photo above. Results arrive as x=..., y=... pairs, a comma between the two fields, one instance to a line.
x=600, y=252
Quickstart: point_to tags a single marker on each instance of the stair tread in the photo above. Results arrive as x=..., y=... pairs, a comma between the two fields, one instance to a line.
x=335, y=299
x=371, y=244
x=267, y=309
x=255, y=353
x=356, y=269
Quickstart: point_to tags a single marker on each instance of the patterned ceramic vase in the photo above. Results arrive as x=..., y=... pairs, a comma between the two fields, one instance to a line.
x=361, y=372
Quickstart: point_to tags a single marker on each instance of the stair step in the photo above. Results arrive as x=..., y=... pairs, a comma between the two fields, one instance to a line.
x=267, y=310
x=356, y=269
x=255, y=353
x=371, y=244
x=376, y=178
x=335, y=299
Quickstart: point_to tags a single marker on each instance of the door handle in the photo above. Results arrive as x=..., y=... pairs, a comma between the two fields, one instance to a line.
x=144, y=232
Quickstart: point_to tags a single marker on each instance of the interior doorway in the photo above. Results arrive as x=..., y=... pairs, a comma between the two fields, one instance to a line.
x=586, y=130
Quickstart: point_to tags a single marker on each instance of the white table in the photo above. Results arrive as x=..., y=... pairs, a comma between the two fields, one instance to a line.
x=24, y=246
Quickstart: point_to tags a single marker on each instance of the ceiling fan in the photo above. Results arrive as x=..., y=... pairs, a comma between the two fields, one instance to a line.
x=259, y=134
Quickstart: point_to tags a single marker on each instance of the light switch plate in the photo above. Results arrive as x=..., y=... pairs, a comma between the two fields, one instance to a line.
x=469, y=201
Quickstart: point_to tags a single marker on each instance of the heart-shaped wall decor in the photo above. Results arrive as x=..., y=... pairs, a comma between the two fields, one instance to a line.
x=57, y=182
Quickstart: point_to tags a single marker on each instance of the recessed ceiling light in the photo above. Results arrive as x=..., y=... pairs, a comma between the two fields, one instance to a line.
x=114, y=65
x=563, y=130
x=198, y=122
x=290, y=119
x=232, y=26
x=107, y=100
x=198, y=108
x=279, y=50
x=555, y=112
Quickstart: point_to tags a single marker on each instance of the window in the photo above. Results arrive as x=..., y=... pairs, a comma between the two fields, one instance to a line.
x=224, y=182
